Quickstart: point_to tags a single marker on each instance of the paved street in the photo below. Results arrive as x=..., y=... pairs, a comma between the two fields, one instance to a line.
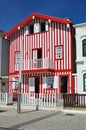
x=40, y=120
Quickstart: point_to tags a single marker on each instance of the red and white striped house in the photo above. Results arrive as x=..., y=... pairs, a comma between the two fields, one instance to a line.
x=47, y=55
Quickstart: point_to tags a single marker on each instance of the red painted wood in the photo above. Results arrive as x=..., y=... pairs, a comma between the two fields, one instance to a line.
x=57, y=35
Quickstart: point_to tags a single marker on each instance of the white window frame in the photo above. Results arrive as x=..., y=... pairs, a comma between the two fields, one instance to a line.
x=17, y=57
x=58, y=52
x=34, y=55
x=84, y=82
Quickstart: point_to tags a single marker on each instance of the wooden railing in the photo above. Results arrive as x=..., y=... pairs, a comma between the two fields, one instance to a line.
x=74, y=100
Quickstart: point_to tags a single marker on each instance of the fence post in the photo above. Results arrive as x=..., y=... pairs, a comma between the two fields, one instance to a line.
x=37, y=104
x=6, y=98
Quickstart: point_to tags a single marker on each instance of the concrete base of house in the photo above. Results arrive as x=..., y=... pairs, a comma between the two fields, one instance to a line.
x=75, y=111
x=59, y=108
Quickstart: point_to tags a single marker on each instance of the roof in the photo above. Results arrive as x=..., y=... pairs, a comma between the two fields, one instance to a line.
x=23, y=22
x=80, y=25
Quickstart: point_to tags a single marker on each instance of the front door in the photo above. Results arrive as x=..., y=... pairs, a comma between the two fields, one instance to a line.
x=37, y=85
x=63, y=84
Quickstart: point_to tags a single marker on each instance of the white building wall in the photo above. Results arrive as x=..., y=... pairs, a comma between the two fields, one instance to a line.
x=0, y=53
x=80, y=60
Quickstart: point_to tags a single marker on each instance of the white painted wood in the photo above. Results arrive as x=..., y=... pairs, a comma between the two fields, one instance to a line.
x=55, y=84
x=13, y=83
x=36, y=27
x=80, y=60
x=31, y=84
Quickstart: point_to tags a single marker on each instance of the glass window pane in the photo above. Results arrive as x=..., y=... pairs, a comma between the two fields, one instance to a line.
x=59, y=52
x=84, y=47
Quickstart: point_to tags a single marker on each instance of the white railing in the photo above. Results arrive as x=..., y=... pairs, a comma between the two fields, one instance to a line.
x=46, y=100
x=6, y=98
x=38, y=64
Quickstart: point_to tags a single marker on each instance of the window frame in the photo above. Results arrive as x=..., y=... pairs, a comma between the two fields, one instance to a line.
x=34, y=54
x=56, y=57
x=83, y=47
x=17, y=60
x=84, y=82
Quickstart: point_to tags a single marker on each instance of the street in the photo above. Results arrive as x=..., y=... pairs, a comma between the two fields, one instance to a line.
x=40, y=120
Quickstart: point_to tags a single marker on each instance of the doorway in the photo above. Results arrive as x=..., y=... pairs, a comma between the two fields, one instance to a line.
x=39, y=57
x=63, y=84
x=37, y=81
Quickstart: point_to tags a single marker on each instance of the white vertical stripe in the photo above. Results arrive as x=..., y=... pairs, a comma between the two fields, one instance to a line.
x=58, y=64
x=40, y=41
x=58, y=35
x=67, y=47
x=64, y=46
x=50, y=41
x=61, y=35
x=69, y=50
x=24, y=54
x=61, y=64
x=35, y=40
x=55, y=35
x=45, y=44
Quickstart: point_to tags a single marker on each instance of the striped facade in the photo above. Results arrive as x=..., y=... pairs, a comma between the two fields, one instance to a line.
x=49, y=73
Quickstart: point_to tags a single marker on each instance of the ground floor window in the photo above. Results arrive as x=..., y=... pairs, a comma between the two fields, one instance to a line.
x=84, y=81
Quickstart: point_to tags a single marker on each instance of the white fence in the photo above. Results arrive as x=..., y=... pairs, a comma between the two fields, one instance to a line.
x=45, y=100
x=6, y=98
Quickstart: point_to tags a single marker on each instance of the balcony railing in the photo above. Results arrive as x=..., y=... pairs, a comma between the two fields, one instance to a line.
x=36, y=64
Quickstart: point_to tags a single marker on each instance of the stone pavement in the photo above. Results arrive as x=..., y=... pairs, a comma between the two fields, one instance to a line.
x=40, y=120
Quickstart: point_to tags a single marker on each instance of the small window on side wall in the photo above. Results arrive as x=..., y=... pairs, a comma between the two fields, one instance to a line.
x=84, y=47
x=17, y=57
x=59, y=52
x=84, y=82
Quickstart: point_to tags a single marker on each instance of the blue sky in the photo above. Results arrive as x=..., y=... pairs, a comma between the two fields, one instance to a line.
x=13, y=11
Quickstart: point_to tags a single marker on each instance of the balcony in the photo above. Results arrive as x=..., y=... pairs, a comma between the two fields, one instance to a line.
x=36, y=65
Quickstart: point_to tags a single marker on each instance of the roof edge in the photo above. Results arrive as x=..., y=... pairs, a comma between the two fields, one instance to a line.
x=56, y=19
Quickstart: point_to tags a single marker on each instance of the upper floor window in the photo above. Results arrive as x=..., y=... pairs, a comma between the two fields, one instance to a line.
x=31, y=29
x=84, y=82
x=42, y=27
x=84, y=47
x=36, y=27
x=59, y=52
x=17, y=57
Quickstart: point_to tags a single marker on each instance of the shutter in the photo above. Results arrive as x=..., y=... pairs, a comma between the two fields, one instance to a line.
x=26, y=30
x=31, y=84
x=46, y=26
x=36, y=28
x=35, y=55
x=44, y=83
x=55, y=85
x=13, y=83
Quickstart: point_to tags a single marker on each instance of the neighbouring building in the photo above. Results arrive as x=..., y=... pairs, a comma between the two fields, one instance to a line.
x=47, y=55
x=4, y=49
x=81, y=57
